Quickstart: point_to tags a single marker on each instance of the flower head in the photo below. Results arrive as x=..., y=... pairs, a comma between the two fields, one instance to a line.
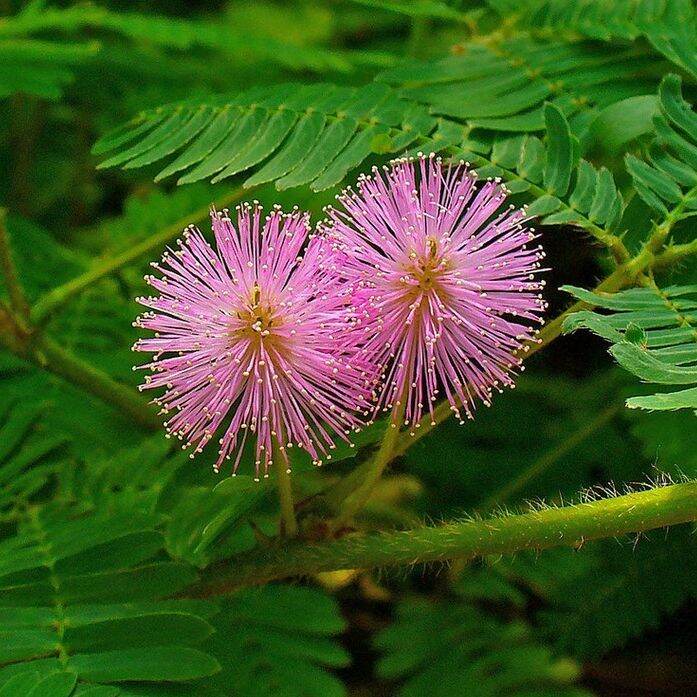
x=251, y=336
x=444, y=285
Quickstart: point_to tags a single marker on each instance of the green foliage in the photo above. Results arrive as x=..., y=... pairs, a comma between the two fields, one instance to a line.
x=84, y=597
x=667, y=180
x=544, y=439
x=451, y=646
x=97, y=326
x=205, y=525
x=417, y=8
x=311, y=135
x=343, y=127
x=599, y=598
x=654, y=335
x=43, y=68
x=109, y=533
x=566, y=189
x=503, y=87
x=669, y=26
x=29, y=457
x=279, y=640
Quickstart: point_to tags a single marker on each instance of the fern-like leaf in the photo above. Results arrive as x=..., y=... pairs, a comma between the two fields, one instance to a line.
x=29, y=456
x=504, y=87
x=565, y=188
x=669, y=26
x=84, y=599
x=598, y=599
x=279, y=640
x=654, y=336
x=666, y=180
x=311, y=134
x=453, y=647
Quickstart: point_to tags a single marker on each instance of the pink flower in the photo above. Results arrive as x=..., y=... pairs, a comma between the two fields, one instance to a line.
x=252, y=338
x=444, y=286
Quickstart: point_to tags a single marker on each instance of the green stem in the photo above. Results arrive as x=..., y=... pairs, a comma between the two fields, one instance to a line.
x=289, y=526
x=418, y=36
x=49, y=356
x=675, y=253
x=352, y=492
x=9, y=271
x=568, y=526
x=59, y=296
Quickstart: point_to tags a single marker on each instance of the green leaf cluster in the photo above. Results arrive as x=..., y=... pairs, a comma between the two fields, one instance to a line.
x=654, y=336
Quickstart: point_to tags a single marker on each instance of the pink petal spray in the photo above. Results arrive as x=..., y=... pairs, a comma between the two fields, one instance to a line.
x=250, y=340
x=444, y=283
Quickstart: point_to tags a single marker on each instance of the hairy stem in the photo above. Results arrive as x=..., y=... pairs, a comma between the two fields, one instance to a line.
x=539, y=529
x=18, y=301
x=674, y=253
x=289, y=526
x=57, y=297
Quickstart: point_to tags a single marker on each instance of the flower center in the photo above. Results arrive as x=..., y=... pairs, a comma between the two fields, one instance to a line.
x=426, y=268
x=257, y=319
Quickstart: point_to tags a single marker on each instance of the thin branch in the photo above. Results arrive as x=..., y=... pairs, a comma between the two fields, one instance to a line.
x=9, y=271
x=59, y=296
x=543, y=463
x=352, y=492
x=49, y=356
x=568, y=526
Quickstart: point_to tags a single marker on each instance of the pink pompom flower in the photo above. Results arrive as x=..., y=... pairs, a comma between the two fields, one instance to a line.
x=444, y=283
x=252, y=337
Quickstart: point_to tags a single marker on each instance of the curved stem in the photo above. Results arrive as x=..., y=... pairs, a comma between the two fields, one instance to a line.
x=57, y=297
x=543, y=463
x=354, y=490
x=568, y=526
x=9, y=271
x=50, y=356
